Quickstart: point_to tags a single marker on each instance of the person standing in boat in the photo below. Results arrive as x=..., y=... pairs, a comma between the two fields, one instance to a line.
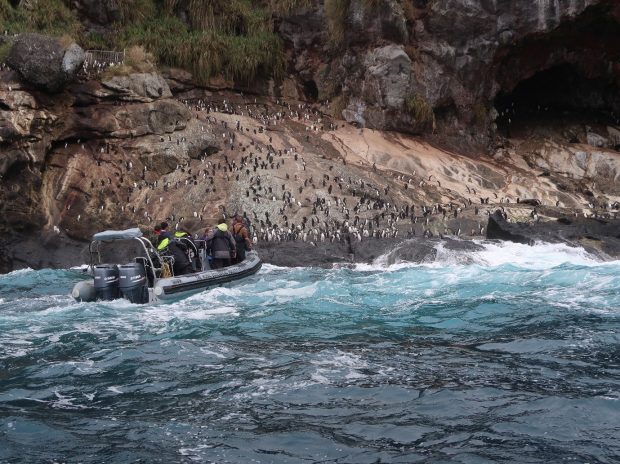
x=167, y=244
x=187, y=242
x=221, y=245
x=242, y=238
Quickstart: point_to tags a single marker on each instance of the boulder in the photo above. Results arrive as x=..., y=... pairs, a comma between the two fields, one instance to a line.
x=73, y=59
x=43, y=62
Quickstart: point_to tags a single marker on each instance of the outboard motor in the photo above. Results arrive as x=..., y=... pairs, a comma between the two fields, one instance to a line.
x=106, y=282
x=133, y=283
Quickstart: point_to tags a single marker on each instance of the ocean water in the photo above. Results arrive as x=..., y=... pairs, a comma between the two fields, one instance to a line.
x=510, y=354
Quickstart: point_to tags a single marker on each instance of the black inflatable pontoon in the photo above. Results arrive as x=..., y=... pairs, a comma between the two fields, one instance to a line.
x=148, y=279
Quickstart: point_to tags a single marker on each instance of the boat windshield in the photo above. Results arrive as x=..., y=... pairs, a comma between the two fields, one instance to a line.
x=127, y=234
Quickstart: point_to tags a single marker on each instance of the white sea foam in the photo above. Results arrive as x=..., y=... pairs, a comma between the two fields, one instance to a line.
x=289, y=293
x=337, y=366
x=267, y=268
x=538, y=256
x=19, y=272
x=493, y=254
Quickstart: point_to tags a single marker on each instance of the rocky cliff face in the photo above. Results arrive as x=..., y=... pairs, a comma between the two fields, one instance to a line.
x=479, y=65
x=134, y=149
x=72, y=160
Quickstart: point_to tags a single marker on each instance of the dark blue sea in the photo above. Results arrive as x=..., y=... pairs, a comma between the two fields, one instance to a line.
x=511, y=354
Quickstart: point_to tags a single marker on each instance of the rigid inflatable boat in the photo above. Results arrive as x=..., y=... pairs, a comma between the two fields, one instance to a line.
x=149, y=278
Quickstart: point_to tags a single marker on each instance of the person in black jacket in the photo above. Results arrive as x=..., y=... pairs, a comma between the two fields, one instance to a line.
x=167, y=244
x=221, y=245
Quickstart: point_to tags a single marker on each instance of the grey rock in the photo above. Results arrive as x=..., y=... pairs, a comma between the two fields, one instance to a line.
x=139, y=87
x=377, y=99
x=43, y=62
x=597, y=140
x=73, y=59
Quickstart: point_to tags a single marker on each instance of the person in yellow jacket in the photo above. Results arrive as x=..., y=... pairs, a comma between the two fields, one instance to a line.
x=168, y=245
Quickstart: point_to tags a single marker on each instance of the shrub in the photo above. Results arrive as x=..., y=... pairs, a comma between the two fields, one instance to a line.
x=419, y=108
x=135, y=11
x=139, y=59
x=5, y=48
x=207, y=53
x=96, y=41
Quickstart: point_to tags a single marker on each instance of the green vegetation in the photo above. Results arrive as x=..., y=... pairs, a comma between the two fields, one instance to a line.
x=233, y=38
x=46, y=17
x=5, y=48
x=420, y=109
x=137, y=60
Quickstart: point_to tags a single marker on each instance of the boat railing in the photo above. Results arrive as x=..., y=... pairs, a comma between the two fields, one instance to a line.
x=149, y=250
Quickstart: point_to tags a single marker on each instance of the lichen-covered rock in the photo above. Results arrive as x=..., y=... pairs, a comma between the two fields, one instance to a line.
x=72, y=60
x=43, y=62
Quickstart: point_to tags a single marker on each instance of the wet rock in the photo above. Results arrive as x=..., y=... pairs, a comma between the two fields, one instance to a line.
x=413, y=251
x=499, y=229
x=600, y=236
x=293, y=254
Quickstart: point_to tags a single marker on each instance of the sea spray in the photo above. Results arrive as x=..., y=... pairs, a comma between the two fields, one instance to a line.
x=504, y=353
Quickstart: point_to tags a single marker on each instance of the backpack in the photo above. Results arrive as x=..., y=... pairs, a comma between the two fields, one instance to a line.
x=237, y=234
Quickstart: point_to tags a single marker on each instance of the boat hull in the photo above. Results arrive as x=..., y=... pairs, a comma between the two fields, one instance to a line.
x=184, y=285
x=173, y=287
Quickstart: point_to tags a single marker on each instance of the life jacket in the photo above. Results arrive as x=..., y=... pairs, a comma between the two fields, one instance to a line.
x=163, y=244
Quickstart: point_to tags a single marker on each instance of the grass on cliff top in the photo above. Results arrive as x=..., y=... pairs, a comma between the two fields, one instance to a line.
x=207, y=53
x=50, y=17
x=233, y=38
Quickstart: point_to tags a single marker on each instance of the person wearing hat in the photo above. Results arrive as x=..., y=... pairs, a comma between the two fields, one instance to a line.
x=221, y=245
x=168, y=244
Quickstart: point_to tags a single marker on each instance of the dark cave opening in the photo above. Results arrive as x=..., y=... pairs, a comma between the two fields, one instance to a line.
x=558, y=96
x=569, y=76
x=311, y=91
